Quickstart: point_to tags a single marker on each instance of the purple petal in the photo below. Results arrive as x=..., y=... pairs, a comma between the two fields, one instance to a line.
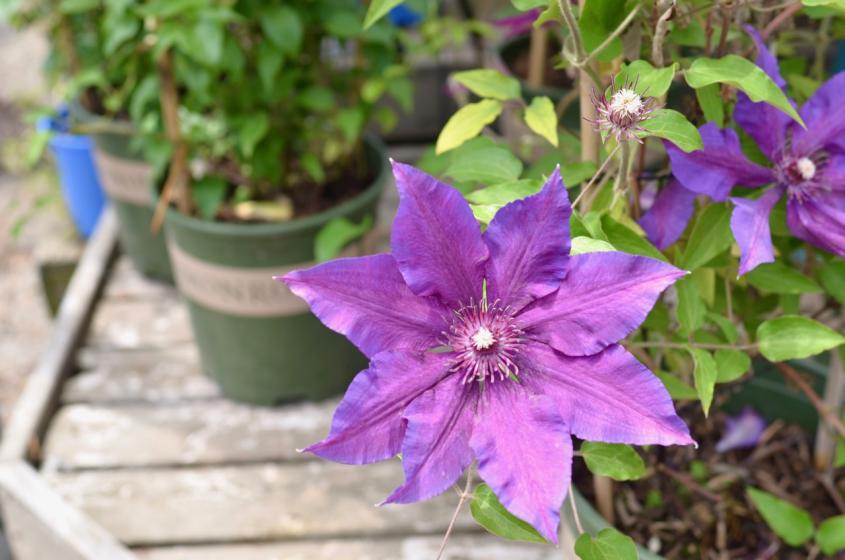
x=368, y=425
x=529, y=246
x=668, y=217
x=824, y=115
x=717, y=168
x=763, y=122
x=608, y=397
x=524, y=453
x=750, y=226
x=436, y=448
x=741, y=431
x=436, y=240
x=366, y=299
x=819, y=221
x=604, y=297
x=517, y=25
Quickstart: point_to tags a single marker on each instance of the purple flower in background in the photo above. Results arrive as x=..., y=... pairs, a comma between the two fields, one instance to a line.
x=808, y=166
x=495, y=347
x=517, y=25
x=741, y=431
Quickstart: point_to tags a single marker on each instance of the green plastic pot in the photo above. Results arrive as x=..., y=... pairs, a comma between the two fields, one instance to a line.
x=258, y=341
x=128, y=180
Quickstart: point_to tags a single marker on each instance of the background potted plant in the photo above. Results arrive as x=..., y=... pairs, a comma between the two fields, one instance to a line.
x=264, y=107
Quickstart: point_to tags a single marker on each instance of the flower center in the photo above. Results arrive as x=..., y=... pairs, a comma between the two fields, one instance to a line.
x=485, y=340
x=806, y=168
x=626, y=102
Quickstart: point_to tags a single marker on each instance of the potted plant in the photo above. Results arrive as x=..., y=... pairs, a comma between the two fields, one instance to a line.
x=264, y=108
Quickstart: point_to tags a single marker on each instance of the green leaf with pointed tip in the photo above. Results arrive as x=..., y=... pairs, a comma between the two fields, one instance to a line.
x=487, y=164
x=503, y=193
x=705, y=374
x=283, y=27
x=710, y=100
x=673, y=126
x=731, y=365
x=793, y=337
x=832, y=276
x=780, y=279
x=791, y=523
x=628, y=241
x=540, y=117
x=581, y=245
x=337, y=234
x=615, y=460
x=377, y=10
x=741, y=74
x=650, y=81
x=467, y=123
x=831, y=535
x=208, y=193
x=710, y=235
x=608, y=544
x=489, y=83
x=677, y=389
x=725, y=325
x=691, y=308
x=492, y=515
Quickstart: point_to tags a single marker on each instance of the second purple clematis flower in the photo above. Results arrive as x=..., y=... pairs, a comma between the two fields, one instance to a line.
x=494, y=347
x=808, y=166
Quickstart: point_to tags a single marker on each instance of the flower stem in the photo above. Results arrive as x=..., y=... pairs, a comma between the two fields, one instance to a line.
x=824, y=411
x=834, y=397
x=685, y=345
x=451, y=526
x=614, y=35
x=595, y=176
x=575, y=510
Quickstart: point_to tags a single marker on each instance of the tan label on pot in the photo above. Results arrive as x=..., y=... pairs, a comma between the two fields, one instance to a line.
x=250, y=292
x=126, y=180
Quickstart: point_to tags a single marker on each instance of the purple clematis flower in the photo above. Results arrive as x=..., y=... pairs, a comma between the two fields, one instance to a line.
x=808, y=166
x=496, y=347
x=741, y=431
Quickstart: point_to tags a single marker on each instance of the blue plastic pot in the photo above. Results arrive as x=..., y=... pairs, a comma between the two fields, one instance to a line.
x=78, y=178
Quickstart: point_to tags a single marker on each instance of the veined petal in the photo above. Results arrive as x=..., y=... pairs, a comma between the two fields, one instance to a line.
x=529, y=246
x=819, y=221
x=750, y=226
x=608, y=397
x=436, y=447
x=824, y=115
x=368, y=424
x=717, y=168
x=524, y=453
x=436, y=240
x=604, y=297
x=668, y=217
x=366, y=299
x=763, y=122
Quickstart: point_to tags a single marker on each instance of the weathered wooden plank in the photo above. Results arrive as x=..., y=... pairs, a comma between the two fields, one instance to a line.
x=158, y=375
x=41, y=525
x=85, y=436
x=313, y=499
x=125, y=282
x=140, y=324
x=42, y=387
x=459, y=547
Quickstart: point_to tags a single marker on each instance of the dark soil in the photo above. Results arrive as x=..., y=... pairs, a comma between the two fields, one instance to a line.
x=693, y=504
x=516, y=57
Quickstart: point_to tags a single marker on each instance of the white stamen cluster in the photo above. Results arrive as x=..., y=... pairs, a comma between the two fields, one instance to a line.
x=626, y=102
x=806, y=167
x=622, y=113
x=485, y=341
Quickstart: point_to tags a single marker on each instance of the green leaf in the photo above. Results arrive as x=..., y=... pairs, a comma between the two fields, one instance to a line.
x=627, y=240
x=832, y=276
x=269, y=61
x=741, y=74
x=615, y=460
x=780, y=279
x=677, y=389
x=337, y=234
x=283, y=27
x=486, y=163
x=789, y=522
x=710, y=235
x=467, y=123
x=831, y=535
x=78, y=6
x=540, y=117
x=705, y=374
x=208, y=193
x=725, y=325
x=581, y=245
x=252, y=130
x=731, y=365
x=691, y=308
x=492, y=515
x=710, y=101
x=317, y=99
x=351, y=122
x=377, y=10
x=673, y=126
x=525, y=5
x=650, y=81
x=577, y=172
x=598, y=19
x=504, y=193
x=311, y=164
x=609, y=544
x=793, y=337
x=489, y=83
x=835, y=4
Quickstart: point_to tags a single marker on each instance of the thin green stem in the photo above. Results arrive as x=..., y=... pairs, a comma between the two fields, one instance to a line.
x=461, y=501
x=685, y=345
x=595, y=176
x=574, y=31
x=610, y=38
